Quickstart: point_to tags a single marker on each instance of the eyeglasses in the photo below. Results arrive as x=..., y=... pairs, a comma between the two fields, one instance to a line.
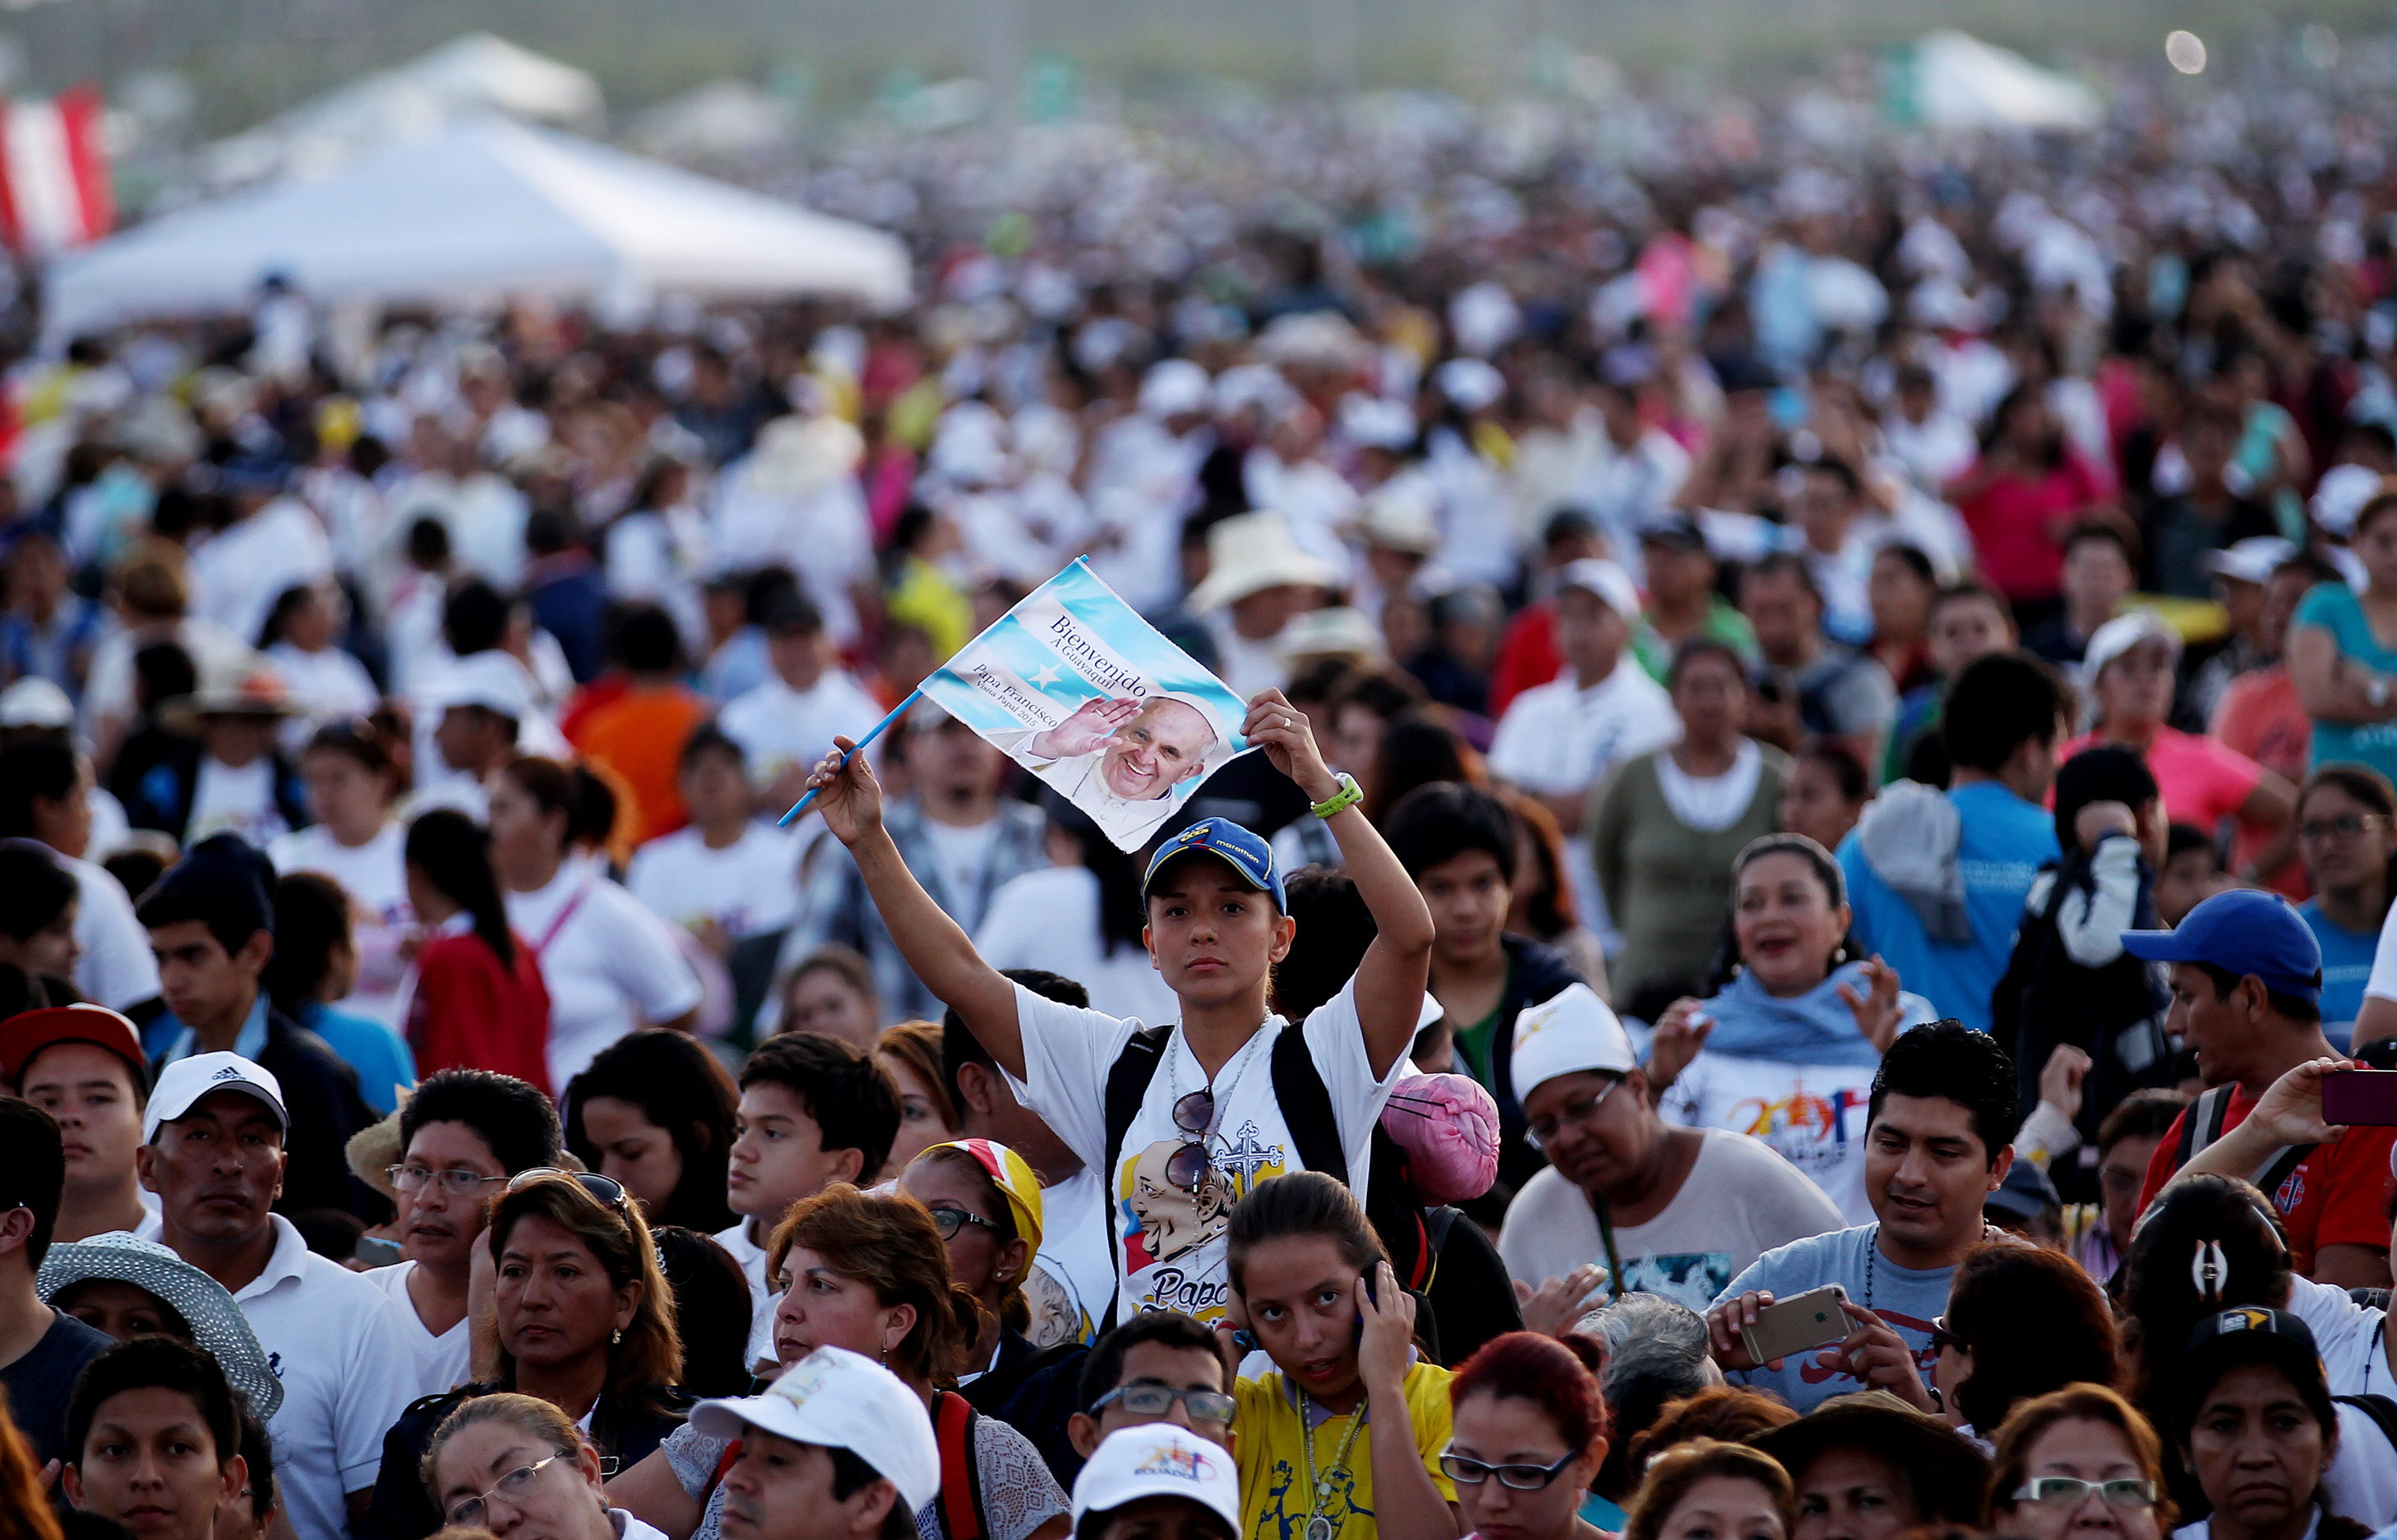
x=1579, y=1113
x=2127, y=1492
x=606, y=1190
x=1157, y=1401
x=2345, y=826
x=457, y=1183
x=1471, y=1472
x=1943, y=1339
x=950, y=1220
x=468, y=1514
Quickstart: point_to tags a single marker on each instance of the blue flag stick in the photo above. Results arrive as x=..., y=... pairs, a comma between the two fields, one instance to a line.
x=896, y=712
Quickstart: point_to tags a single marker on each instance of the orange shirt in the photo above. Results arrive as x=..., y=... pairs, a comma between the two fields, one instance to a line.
x=640, y=737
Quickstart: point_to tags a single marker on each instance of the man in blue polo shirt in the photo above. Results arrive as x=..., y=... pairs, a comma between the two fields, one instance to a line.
x=2246, y=988
x=1937, y=878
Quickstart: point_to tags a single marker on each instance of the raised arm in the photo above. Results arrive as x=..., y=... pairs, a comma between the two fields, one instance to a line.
x=936, y=947
x=1390, y=979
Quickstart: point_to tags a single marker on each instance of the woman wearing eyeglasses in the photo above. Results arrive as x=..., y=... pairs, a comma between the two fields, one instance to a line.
x=2077, y=1463
x=2256, y=1430
x=1529, y=1433
x=512, y=1464
x=2347, y=836
x=869, y=1272
x=582, y=1320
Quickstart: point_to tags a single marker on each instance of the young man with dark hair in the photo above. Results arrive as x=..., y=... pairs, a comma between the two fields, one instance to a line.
x=1158, y=1367
x=2246, y=987
x=1938, y=1140
x=814, y=1110
x=211, y=923
x=154, y=1440
x=1073, y=1275
x=1937, y=878
x=1807, y=683
x=42, y=1350
x=214, y=1156
x=789, y=719
x=83, y=1065
x=1459, y=844
x=463, y=1135
x=727, y=875
x=2101, y=568
x=45, y=790
x=1968, y=622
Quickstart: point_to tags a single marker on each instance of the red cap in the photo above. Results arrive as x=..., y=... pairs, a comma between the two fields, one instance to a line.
x=28, y=1033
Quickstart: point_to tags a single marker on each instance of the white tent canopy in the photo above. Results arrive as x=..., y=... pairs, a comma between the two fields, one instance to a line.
x=469, y=76
x=1961, y=82
x=487, y=209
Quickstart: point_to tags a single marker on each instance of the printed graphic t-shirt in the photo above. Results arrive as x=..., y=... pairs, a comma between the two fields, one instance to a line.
x=1169, y=1242
x=1907, y=1300
x=1739, y=1202
x=1274, y=1495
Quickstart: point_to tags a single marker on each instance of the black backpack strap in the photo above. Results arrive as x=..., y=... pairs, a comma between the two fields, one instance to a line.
x=2380, y=1408
x=1127, y=1080
x=2201, y=1124
x=1306, y=1106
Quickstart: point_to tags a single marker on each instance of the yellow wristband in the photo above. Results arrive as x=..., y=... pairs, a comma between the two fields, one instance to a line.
x=1348, y=796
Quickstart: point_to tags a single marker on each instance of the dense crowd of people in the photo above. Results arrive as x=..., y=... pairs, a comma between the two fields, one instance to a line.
x=1821, y=830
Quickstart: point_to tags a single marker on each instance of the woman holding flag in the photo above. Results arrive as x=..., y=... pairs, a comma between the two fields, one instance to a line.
x=1184, y=1118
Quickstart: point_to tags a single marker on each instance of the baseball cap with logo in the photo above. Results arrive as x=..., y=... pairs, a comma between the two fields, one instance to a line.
x=1569, y=1031
x=1014, y=1178
x=183, y=1083
x=1235, y=846
x=839, y=1399
x=1157, y=1460
x=2250, y=1333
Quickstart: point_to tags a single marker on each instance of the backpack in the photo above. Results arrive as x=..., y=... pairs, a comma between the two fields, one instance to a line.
x=2202, y=1125
x=960, y=1499
x=1390, y=1198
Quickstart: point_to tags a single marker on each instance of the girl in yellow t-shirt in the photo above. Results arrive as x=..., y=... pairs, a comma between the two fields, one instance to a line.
x=1342, y=1440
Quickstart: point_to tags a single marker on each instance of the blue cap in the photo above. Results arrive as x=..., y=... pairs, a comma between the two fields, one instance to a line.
x=1242, y=850
x=2241, y=932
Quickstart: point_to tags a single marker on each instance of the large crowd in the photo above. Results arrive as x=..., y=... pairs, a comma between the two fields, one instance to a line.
x=1819, y=845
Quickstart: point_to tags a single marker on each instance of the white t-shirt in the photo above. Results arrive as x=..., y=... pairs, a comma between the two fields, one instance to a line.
x=778, y=727
x=750, y=886
x=1812, y=1116
x=1050, y=918
x=762, y=1297
x=1739, y=1202
x=1170, y=1242
x=442, y=1362
x=235, y=799
x=347, y=1372
x=375, y=875
x=116, y=967
x=2383, y=981
x=2345, y=1335
x=327, y=684
x=609, y=964
x=1558, y=740
x=1077, y=1253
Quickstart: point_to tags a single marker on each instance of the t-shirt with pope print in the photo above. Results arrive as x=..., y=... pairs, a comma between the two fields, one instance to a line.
x=1168, y=1239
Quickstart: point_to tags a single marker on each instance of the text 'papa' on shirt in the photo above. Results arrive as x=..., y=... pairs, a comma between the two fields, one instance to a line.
x=2002, y=843
x=1908, y=1300
x=1168, y=1242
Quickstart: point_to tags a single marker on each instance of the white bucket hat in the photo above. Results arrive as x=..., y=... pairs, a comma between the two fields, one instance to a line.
x=1250, y=553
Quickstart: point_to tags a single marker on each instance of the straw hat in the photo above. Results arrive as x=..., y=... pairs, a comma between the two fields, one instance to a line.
x=246, y=686
x=1250, y=553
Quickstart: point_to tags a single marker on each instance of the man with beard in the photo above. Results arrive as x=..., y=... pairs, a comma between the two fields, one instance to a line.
x=1689, y=1208
x=463, y=1134
x=213, y=1153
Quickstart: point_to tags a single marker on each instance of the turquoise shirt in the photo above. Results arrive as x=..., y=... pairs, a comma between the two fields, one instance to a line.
x=2333, y=606
x=2347, y=964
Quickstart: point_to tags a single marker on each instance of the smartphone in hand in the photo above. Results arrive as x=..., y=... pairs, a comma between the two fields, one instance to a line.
x=1793, y=1325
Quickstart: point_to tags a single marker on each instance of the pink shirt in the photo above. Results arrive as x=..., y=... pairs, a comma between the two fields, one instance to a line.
x=2202, y=781
x=2014, y=523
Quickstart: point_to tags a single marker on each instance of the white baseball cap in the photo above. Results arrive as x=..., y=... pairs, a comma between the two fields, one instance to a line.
x=186, y=1080
x=492, y=680
x=1571, y=1030
x=2249, y=560
x=840, y=1399
x=33, y=701
x=1606, y=580
x=2122, y=634
x=1157, y=1460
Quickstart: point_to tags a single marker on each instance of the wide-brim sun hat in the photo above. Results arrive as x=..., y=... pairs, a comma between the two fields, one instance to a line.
x=217, y=1322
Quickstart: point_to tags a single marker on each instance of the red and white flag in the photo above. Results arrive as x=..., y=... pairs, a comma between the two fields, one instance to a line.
x=54, y=190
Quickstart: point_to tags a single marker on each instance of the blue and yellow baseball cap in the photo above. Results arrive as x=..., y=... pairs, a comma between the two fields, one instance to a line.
x=1236, y=847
